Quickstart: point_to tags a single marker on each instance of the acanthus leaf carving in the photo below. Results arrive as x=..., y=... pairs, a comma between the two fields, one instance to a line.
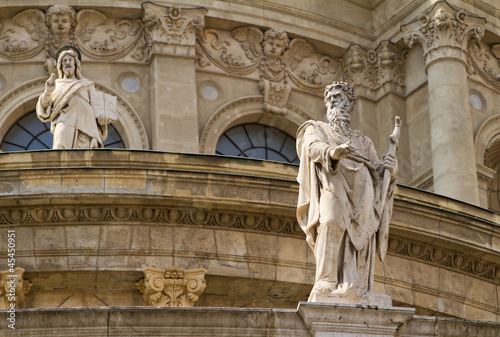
x=172, y=30
x=13, y=288
x=444, y=32
x=172, y=287
x=374, y=72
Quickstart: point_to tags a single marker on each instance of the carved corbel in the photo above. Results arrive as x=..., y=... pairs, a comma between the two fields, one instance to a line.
x=13, y=288
x=172, y=30
x=172, y=287
x=444, y=32
x=375, y=72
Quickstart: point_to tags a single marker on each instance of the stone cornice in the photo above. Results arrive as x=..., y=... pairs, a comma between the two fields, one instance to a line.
x=444, y=32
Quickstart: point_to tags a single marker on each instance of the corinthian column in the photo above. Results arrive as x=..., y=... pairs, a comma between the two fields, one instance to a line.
x=444, y=33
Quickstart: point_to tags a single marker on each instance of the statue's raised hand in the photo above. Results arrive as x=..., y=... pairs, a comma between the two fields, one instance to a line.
x=341, y=151
x=50, y=84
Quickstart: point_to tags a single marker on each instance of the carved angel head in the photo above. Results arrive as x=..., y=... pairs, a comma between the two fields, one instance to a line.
x=61, y=20
x=275, y=42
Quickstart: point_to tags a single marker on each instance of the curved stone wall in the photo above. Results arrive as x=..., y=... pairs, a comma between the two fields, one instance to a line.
x=88, y=222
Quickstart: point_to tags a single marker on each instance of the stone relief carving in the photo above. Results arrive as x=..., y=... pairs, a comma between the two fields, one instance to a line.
x=345, y=201
x=444, y=32
x=172, y=30
x=484, y=61
x=374, y=72
x=13, y=289
x=96, y=35
x=79, y=114
x=172, y=287
x=280, y=61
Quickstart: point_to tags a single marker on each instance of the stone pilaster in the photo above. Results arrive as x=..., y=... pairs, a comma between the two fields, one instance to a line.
x=172, y=287
x=13, y=288
x=375, y=72
x=444, y=33
x=171, y=35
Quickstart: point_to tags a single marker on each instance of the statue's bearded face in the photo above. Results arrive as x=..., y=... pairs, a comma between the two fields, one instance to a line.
x=339, y=109
x=68, y=66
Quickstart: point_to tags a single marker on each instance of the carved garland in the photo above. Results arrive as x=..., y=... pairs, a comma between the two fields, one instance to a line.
x=450, y=259
x=151, y=215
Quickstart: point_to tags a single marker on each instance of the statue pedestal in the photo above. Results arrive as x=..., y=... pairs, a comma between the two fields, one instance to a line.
x=371, y=299
x=351, y=320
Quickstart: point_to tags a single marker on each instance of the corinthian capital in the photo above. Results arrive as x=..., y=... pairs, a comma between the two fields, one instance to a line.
x=444, y=32
x=172, y=287
x=172, y=30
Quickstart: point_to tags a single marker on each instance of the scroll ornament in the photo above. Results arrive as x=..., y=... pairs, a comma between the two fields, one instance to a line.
x=280, y=62
x=172, y=287
x=97, y=36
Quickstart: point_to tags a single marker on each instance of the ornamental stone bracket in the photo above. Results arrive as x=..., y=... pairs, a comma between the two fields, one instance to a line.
x=172, y=30
x=13, y=289
x=172, y=287
x=444, y=32
x=375, y=72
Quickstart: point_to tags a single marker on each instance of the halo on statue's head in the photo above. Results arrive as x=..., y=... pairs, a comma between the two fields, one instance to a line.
x=68, y=47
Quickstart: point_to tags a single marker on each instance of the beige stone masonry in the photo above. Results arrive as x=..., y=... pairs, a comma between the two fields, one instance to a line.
x=13, y=288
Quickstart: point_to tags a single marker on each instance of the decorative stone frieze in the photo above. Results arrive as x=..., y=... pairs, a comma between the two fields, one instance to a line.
x=444, y=257
x=96, y=35
x=280, y=62
x=375, y=72
x=172, y=30
x=444, y=32
x=13, y=288
x=152, y=215
x=484, y=61
x=172, y=287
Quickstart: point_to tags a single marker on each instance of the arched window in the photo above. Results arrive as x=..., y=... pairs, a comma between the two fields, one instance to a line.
x=258, y=141
x=29, y=133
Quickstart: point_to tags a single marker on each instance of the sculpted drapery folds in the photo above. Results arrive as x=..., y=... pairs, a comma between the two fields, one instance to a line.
x=79, y=113
x=343, y=207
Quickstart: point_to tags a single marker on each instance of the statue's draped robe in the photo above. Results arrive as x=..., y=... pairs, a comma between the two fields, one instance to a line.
x=342, y=208
x=71, y=106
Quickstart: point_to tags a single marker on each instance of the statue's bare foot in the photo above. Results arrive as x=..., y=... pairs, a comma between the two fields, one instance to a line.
x=324, y=287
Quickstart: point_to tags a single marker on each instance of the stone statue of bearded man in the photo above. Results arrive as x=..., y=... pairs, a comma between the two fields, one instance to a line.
x=78, y=112
x=343, y=203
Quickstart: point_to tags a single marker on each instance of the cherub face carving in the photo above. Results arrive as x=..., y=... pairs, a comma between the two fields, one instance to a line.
x=273, y=48
x=60, y=25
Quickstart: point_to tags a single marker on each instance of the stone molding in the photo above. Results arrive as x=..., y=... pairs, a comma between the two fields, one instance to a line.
x=13, y=279
x=323, y=319
x=148, y=214
x=375, y=72
x=172, y=30
x=444, y=33
x=444, y=257
x=172, y=287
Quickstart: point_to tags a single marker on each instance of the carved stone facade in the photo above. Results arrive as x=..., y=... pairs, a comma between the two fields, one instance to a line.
x=172, y=287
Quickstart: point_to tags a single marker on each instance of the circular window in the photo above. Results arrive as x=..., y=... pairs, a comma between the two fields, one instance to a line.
x=258, y=141
x=476, y=100
x=30, y=133
x=209, y=92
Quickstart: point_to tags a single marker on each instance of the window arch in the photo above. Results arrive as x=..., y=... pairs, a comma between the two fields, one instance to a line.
x=258, y=141
x=30, y=133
